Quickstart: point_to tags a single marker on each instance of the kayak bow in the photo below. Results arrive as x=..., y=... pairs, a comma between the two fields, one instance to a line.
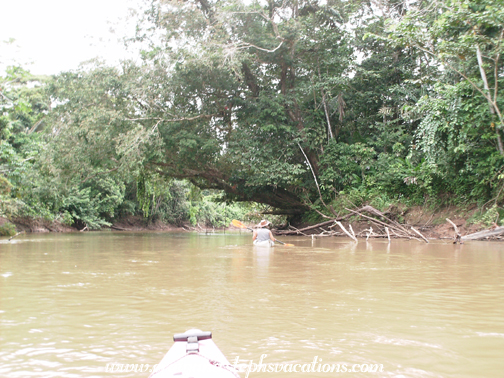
x=194, y=355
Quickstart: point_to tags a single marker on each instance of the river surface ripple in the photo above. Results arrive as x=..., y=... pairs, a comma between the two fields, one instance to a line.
x=71, y=304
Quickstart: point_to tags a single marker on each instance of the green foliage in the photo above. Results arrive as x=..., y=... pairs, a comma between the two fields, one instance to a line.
x=23, y=108
x=163, y=199
x=211, y=212
x=288, y=106
x=487, y=217
x=7, y=229
x=84, y=209
x=345, y=165
x=5, y=186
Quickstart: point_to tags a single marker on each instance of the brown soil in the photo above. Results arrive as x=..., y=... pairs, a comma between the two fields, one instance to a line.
x=40, y=225
x=132, y=223
x=432, y=224
x=137, y=223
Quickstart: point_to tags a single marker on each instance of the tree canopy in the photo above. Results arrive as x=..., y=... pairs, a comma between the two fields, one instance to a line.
x=299, y=105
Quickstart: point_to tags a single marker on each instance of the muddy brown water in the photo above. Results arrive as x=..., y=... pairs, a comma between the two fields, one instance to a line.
x=73, y=305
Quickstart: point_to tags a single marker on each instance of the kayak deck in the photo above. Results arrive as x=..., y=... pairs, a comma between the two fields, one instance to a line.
x=194, y=355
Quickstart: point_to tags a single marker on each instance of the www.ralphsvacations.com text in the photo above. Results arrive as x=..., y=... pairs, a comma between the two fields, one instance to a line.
x=249, y=366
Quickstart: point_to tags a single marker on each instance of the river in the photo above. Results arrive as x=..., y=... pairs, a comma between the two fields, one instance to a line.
x=73, y=305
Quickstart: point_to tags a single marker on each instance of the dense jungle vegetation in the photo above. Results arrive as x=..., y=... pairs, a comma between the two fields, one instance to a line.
x=292, y=107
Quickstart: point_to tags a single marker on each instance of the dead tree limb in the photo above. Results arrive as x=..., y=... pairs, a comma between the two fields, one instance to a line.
x=383, y=224
x=294, y=231
x=12, y=237
x=370, y=232
x=484, y=234
x=372, y=210
x=418, y=232
x=301, y=230
x=118, y=228
x=346, y=232
x=458, y=237
x=351, y=230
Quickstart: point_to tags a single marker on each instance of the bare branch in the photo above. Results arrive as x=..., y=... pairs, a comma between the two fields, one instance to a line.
x=173, y=119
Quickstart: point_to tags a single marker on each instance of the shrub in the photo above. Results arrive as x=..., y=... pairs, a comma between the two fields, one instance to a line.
x=7, y=229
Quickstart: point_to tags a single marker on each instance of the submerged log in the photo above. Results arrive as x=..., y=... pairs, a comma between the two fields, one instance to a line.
x=385, y=227
x=118, y=228
x=301, y=230
x=399, y=229
x=346, y=232
x=351, y=230
x=12, y=237
x=418, y=232
x=369, y=233
x=484, y=234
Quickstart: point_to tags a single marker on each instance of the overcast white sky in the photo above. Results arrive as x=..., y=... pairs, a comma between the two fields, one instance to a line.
x=56, y=35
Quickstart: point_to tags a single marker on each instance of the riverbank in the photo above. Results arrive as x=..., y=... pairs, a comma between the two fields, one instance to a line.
x=432, y=224
x=131, y=223
x=405, y=222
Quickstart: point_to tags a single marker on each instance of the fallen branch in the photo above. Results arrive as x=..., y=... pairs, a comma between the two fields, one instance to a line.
x=12, y=237
x=418, y=232
x=378, y=221
x=372, y=210
x=346, y=232
x=351, y=230
x=300, y=231
x=484, y=234
x=458, y=237
x=370, y=232
x=118, y=228
x=295, y=232
x=407, y=237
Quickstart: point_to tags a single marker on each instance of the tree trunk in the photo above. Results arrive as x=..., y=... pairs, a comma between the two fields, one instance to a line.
x=491, y=102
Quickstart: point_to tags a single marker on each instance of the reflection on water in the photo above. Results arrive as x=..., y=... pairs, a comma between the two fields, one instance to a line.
x=70, y=304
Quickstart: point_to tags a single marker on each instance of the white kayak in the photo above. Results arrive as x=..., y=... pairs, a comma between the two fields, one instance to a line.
x=264, y=243
x=194, y=355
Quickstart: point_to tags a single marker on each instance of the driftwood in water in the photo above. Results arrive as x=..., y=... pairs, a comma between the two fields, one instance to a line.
x=12, y=237
x=301, y=231
x=345, y=231
x=418, y=233
x=351, y=230
x=370, y=232
x=372, y=210
x=386, y=227
x=118, y=228
x=388, y=224
x=484, y=234
x=458, y=237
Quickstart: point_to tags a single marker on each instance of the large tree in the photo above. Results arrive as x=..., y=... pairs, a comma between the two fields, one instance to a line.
x=244, y=95
x=461, y=128
x=465, y=37
x=291, y=104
